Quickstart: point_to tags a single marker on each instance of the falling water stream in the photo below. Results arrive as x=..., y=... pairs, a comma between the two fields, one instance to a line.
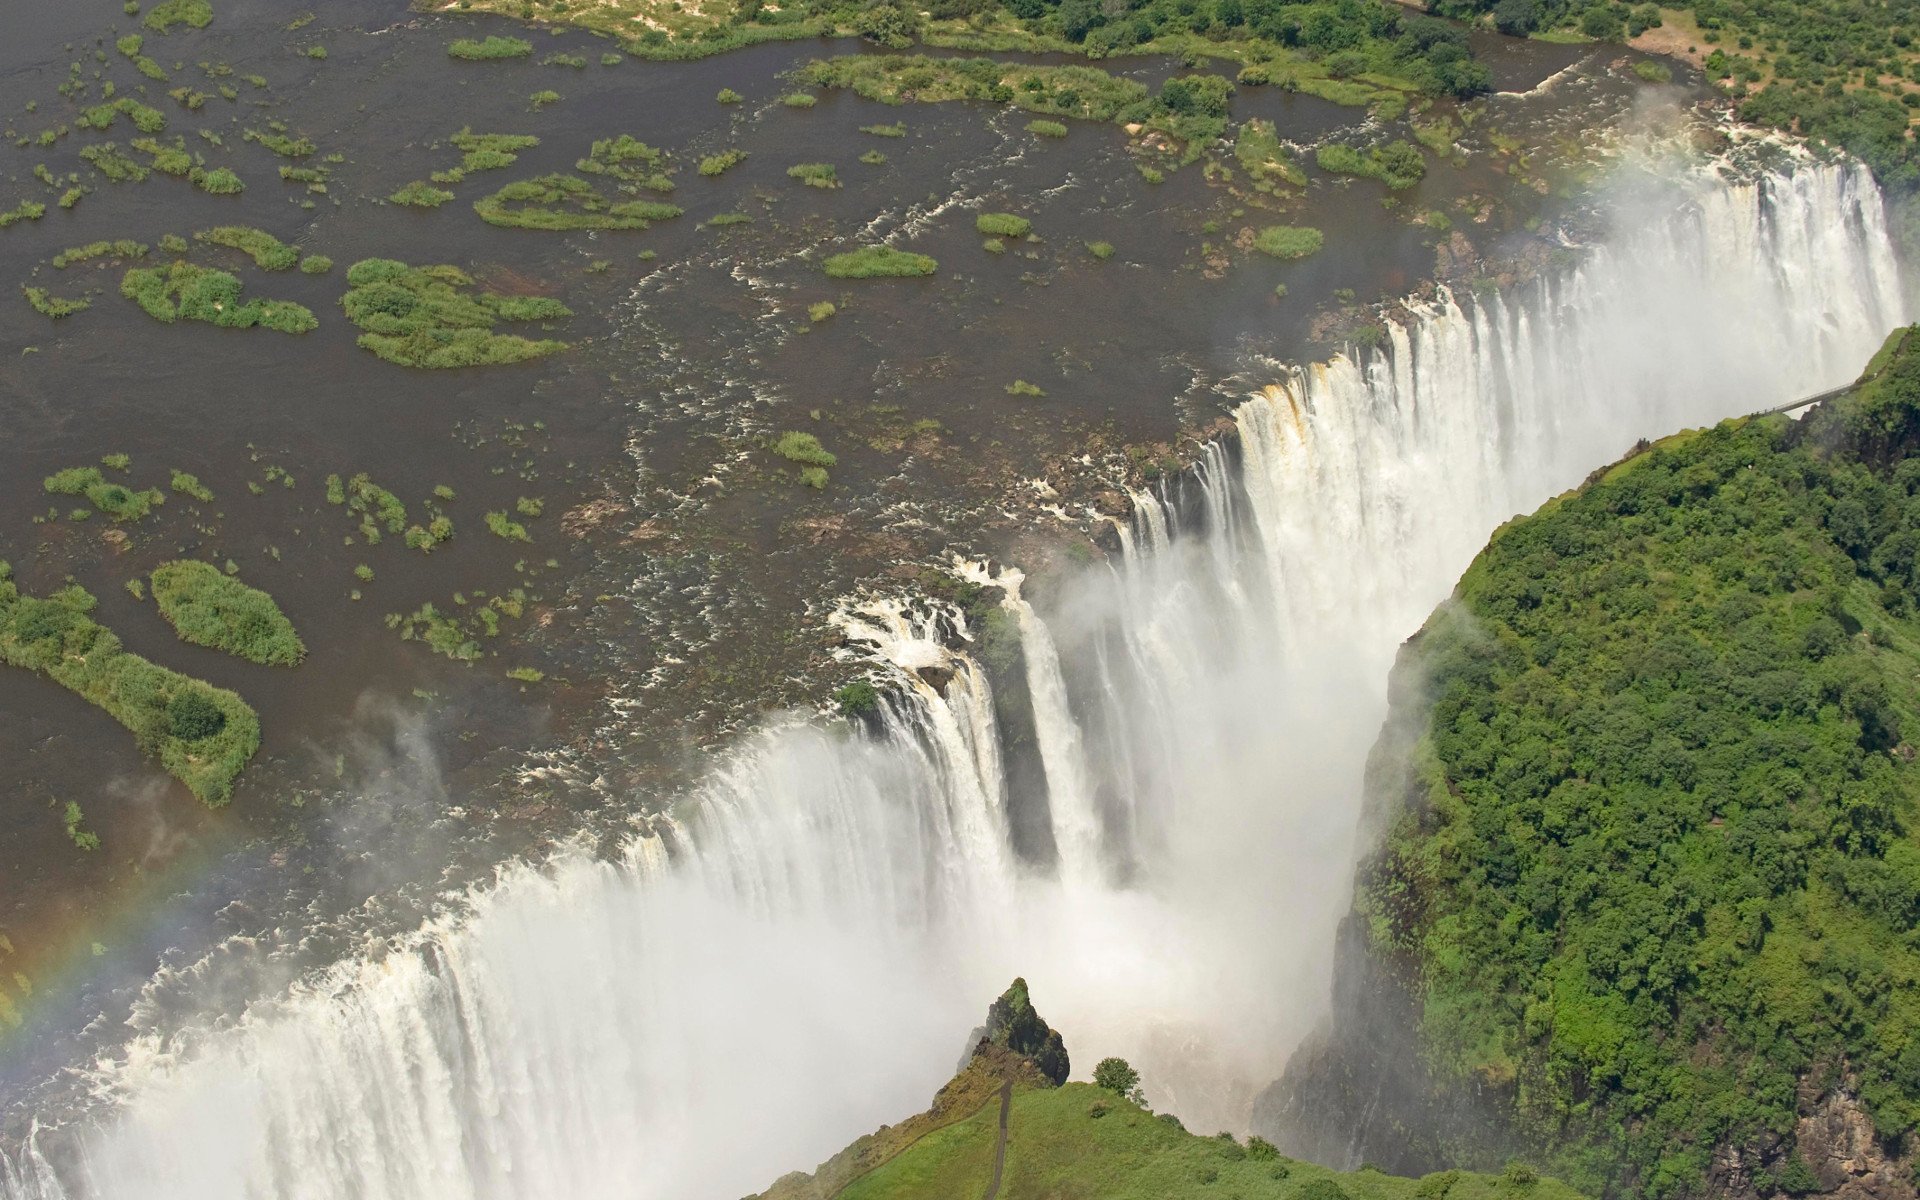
x=796, y=955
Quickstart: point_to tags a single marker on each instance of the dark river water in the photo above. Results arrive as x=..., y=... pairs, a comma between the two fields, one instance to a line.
x=677, y=575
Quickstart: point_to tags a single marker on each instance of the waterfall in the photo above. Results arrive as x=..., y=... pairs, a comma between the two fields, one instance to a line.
x=795, y=956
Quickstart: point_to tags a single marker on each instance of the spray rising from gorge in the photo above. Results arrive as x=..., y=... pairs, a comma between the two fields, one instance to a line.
x=792, y=958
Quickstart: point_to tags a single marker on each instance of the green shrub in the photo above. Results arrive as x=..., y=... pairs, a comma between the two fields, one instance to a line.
x=857, y=699
x=879, y=262
x=1100, y=250
x=803, y=448
x=896, y=130
x=58, y=639
x=421, y=195
x=820, y=311
x=92, y=250
x=189, y=485
x=1397, y=164
x=427, y=317
x=118, y=501
x=1653, y=72
x=820, y=175
x=209, y=608
x=715, y=164
x=281, y=144
x=504, y=526
x=1045, y=128
x=566, y=202
x=729, y=96
x=269, y=253
x=182, y=291
x=1021, y=387
x=873, y=158
x=1003, y=225
x=26, y=210
x=54, y=307
x=315, y=264
x=491, y=48
x=218, y=182
x=162, y=17
x=82, y=838
x=542, y=98
x=1288, y=241
x=798, y=100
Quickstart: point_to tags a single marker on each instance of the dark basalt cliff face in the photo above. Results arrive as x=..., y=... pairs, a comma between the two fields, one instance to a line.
x=1645, y=824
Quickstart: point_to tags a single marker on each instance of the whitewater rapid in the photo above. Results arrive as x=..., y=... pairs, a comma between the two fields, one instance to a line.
x=797, y=955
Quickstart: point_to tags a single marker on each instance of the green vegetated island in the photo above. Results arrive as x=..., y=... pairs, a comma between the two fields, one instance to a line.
x=201, y=734
x=1010, y=1126
x=1651, y=873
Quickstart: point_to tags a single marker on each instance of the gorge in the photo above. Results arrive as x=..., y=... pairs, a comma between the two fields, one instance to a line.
x=1135, y=784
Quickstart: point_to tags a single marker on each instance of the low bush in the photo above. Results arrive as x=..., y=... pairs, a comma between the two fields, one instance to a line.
x=1288, y=241
x=268, y=252
x=1002, y=225
x=203, y=735
x=1397, y=164
x=428, y=317
x=489, y=48
x=54, y=307
x=190, y=485
x=729, y=96
x=184, y=292
x=208, y=607
x=162, y=17
x=879, y=262
x=123, y=248
x=421, y=195
x=566, y=202
x=820, y=175
x=1049, y=129
x=315, y=264
x=726, y=160
x=116, y=500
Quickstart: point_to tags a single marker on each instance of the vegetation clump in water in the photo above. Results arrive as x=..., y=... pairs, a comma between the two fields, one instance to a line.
x=1289, y=241
x=494, y=47
x=118, y=501
x=209, y=608
x=1002, y=225
x=183, y=292
x=428, y=317
x=1398, y=164
x=54, y=307
x=566, y=202
x=820, y=175
x=879, y=262
x=203, y=735
x=268, y=252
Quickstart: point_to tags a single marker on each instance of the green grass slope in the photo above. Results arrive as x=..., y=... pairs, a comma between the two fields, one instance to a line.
x=1080, y=1142
x=1655, y=873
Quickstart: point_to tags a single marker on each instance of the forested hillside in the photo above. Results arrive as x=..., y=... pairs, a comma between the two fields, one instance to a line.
x=1654, y=875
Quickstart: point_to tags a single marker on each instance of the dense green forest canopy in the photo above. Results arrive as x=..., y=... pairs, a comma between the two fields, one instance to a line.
x=1663, y=859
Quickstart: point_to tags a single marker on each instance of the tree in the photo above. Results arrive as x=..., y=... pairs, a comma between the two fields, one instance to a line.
x=1117, y=1077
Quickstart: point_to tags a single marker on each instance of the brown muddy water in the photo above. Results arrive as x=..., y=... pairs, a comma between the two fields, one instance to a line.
x=678, y=573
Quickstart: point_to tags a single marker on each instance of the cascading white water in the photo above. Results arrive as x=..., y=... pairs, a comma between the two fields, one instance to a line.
x=837, y=908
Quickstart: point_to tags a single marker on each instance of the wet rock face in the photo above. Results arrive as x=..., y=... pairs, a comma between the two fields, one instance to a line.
x=1012, y=1024
x=1836, y=1140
